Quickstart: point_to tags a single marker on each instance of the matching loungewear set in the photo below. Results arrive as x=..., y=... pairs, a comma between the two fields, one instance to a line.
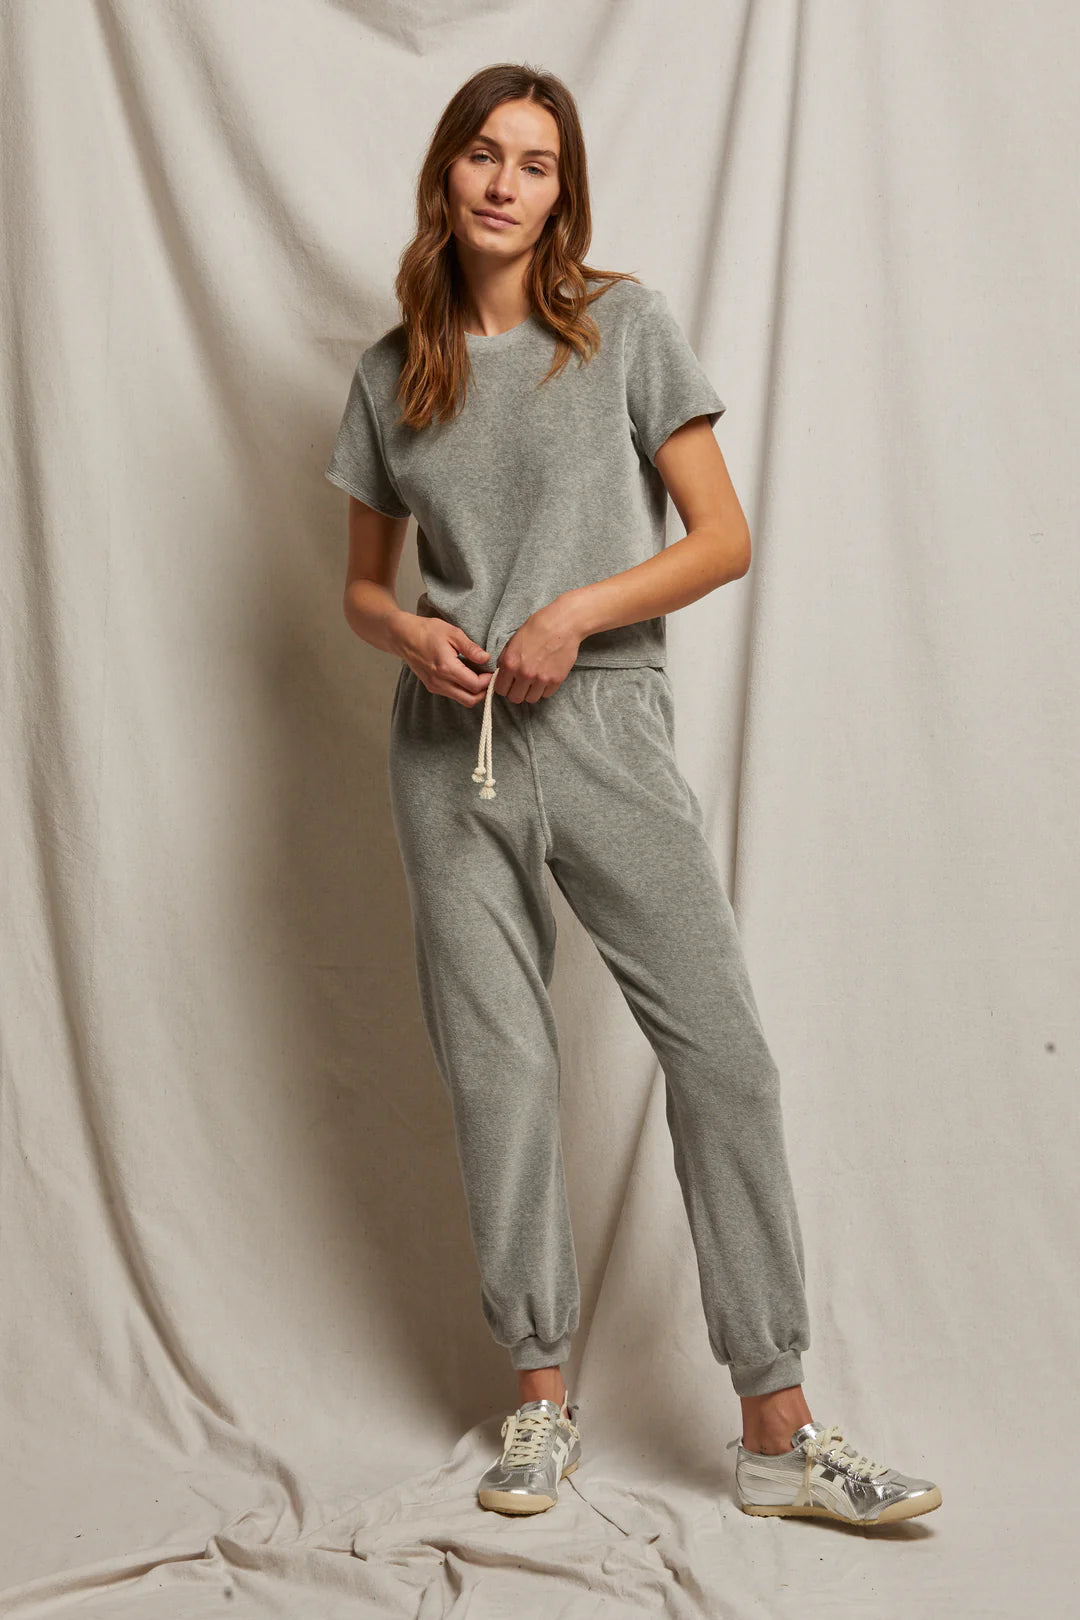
x=533, y=490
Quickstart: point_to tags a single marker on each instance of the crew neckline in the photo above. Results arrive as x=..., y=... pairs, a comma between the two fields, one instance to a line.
x=497, y=340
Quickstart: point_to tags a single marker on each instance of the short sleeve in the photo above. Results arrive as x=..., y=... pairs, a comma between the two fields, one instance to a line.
x=665, y=383
x=358, y=461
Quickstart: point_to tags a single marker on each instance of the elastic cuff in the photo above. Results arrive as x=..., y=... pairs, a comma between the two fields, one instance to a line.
x=528, y=1354
x=762, y=1379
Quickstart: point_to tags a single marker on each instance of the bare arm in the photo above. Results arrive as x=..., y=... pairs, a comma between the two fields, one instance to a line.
x=375, y=546
x=714, y=550
x=430, y=646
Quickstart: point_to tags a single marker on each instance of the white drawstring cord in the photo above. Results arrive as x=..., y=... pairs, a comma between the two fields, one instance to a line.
x=482, y=773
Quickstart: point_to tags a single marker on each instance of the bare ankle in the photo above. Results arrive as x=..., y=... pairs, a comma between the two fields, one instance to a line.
x=770, y=1420
x=541, y=1384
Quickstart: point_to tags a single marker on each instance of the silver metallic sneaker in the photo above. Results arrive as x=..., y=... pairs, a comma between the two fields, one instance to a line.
x=541, y=1446
x=824, y=1477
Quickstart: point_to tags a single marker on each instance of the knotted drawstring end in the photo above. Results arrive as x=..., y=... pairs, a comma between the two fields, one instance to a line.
x=482, y=769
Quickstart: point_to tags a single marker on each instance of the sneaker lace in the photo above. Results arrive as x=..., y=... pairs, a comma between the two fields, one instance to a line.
x=527, y=1434
x=829, y=1447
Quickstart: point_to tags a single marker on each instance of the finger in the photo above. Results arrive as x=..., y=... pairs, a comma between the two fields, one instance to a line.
x=465, y=647
x=461, y=680
x=515, y=689
x=469, y=695
x=463, y=675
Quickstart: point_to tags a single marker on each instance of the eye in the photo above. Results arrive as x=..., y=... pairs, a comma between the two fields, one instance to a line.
x=533, y=168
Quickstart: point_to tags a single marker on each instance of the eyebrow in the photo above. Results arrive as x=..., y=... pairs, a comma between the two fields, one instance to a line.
x=534, y=151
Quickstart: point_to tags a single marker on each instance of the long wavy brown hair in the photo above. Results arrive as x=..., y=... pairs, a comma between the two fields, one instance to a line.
x=434, y=376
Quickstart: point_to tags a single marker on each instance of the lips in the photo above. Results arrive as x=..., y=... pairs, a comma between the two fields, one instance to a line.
x=493, y=213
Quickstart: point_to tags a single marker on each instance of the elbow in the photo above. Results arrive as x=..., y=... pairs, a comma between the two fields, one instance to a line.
x=738, y=551
x=730, y=540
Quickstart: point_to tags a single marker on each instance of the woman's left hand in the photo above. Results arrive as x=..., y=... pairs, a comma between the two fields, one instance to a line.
x=540, y=654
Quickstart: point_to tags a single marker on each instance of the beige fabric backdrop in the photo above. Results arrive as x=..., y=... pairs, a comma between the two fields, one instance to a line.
x=244, y=1366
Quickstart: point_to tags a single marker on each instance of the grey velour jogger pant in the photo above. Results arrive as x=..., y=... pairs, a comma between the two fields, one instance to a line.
x=587, y=782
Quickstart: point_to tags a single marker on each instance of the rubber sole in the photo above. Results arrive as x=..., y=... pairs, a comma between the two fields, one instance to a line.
x=510, y=1502
x=909, y=1508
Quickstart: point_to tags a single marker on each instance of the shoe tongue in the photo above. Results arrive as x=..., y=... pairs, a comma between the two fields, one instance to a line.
x=804, y=1429
x=533, y=1406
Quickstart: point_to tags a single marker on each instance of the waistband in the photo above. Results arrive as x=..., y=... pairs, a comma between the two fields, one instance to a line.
x=483, y=771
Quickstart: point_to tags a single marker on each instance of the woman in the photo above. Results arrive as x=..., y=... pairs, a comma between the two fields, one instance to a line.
x=534, y=415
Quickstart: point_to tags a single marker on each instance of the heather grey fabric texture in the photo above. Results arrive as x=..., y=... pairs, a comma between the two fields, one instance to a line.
x=588, y=783
x=536, y=487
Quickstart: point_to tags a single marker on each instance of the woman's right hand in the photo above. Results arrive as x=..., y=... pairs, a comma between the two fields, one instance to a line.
x=430, y=647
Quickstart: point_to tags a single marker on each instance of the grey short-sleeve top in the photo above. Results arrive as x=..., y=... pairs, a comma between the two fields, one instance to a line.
x=533, y=490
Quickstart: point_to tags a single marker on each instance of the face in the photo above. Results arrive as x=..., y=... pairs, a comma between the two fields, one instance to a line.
x=510, y=168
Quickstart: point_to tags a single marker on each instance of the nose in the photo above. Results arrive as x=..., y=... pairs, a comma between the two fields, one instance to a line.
x=499, y=185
